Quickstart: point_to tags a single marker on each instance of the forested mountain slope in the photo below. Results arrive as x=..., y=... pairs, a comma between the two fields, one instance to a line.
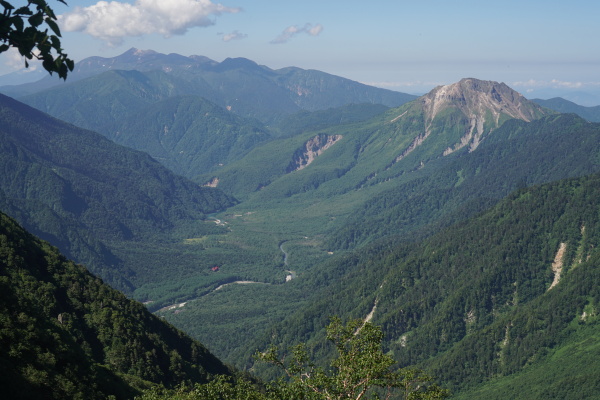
x=518, y=154
x=448, y=121
x=308, y=121
x=319, y=212
x=80, y=191
x=190, y=135
x=510, y=292
x=159, y=114
x=66, y=334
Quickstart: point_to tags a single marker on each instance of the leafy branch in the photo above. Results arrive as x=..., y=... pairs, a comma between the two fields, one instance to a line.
x=361, y=369
x=21, y=28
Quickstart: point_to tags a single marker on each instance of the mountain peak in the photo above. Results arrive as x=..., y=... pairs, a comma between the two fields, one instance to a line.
x=237, y=63
x=474, y=97
x=482, y=105
x=138, y=52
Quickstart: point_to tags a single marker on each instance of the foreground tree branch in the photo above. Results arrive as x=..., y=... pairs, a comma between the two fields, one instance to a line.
x=21, y=28
x=361, y=369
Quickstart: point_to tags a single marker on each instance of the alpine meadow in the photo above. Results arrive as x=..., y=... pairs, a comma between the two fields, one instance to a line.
x=174, y=227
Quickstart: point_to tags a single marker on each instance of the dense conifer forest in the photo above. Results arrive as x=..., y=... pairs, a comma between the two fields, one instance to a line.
x=66, y=334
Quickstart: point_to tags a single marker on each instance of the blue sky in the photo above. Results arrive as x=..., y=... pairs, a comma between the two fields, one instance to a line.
x=410, y=46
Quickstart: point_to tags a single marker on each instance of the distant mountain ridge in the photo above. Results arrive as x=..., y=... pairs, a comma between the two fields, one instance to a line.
x=559, y=104
x=238, y=84
x=140, y=60
x=119, y=98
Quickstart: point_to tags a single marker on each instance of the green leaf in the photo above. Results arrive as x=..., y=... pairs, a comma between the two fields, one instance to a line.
x=36, y=19
x=53, y=25
x=23, y=11
x=50, y=13
x=7, y=5
x=18, y=23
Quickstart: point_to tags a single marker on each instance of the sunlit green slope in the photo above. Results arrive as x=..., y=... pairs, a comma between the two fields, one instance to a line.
x=498, y=298
x=517, y=155
x=441, y=125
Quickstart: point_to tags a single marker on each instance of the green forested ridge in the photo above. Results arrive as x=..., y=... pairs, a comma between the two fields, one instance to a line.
x=189, y=134
x=65, y=334
x=310, y=121
x=518, y=154
x=568, y=371
x=380, y=152
x=561, y=105
x=81, y=191
x=474, y=302
x=100, y=101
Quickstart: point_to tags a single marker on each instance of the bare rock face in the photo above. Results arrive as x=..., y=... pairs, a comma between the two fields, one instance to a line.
x=311, y=150
x=214, y=182
x=474, y=97
x=485, y=104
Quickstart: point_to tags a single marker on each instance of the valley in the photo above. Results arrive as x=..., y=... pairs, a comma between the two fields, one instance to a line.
x=464, y=222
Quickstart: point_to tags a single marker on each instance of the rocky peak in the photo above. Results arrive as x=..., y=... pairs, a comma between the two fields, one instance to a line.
x=475, y=97
x=471, y=108
x=485, y=104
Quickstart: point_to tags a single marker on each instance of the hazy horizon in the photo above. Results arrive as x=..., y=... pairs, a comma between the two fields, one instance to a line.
x=536, y=47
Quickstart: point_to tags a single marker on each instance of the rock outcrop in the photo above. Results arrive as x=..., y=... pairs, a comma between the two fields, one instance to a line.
x=314, y=147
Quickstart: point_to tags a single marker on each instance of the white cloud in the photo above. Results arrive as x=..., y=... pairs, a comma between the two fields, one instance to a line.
x=401, y=84
x=294, y=30
x=315, y=30
x=235, y=35
x=113, y=21
x=406, y=85
x=554, y=83
x=570, y=85
x=13, y=61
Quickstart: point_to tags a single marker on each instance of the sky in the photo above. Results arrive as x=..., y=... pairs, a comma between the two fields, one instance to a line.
x=536, y=47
